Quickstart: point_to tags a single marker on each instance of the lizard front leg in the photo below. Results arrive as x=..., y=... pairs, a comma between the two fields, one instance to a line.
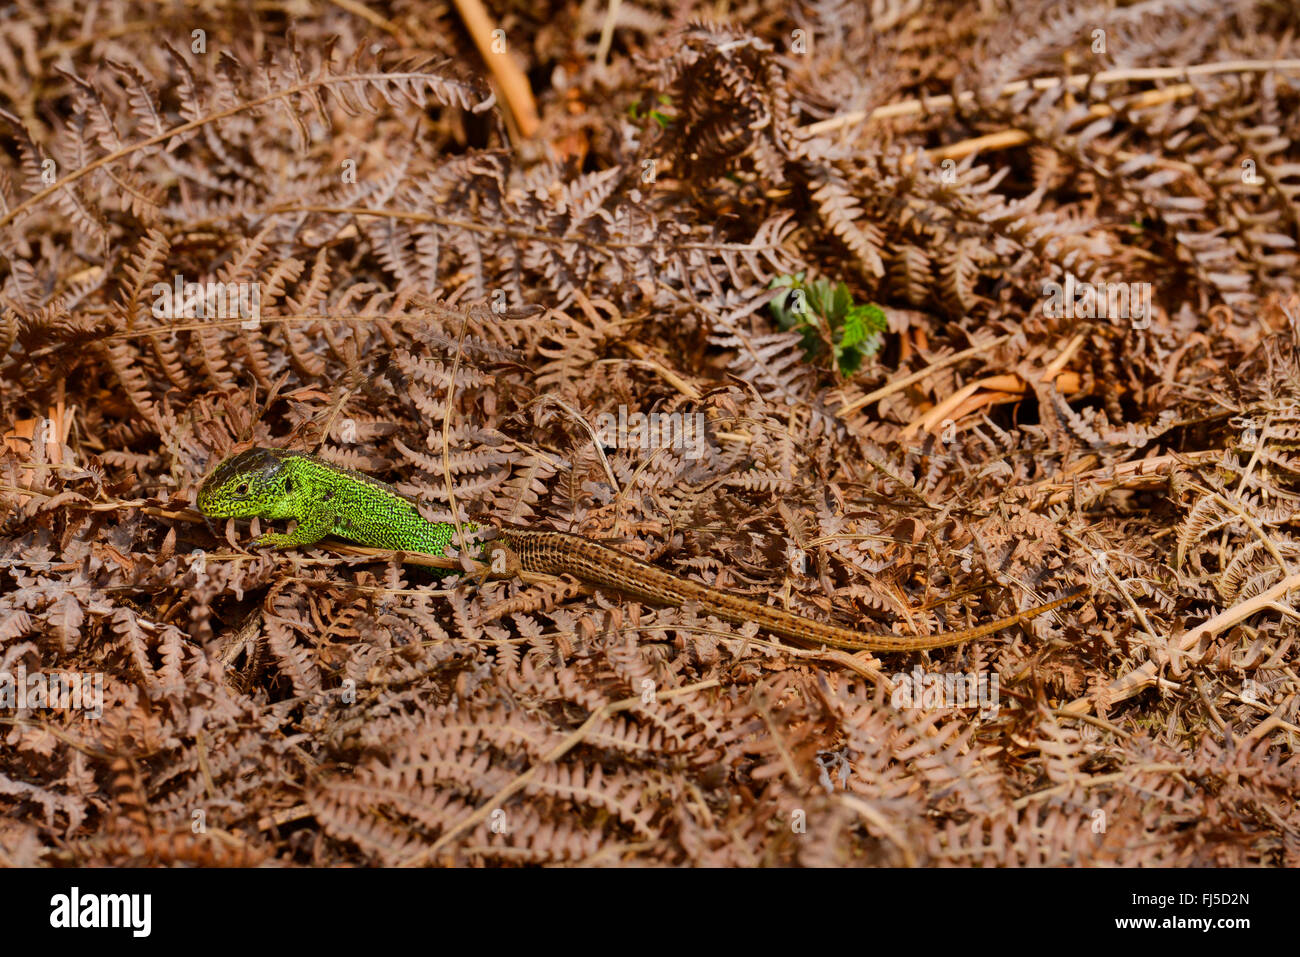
x=312, y=527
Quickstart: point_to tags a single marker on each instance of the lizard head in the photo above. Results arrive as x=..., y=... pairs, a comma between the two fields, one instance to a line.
x=243, y=485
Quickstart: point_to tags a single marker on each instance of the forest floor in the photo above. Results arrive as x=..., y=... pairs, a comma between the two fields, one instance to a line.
x=902, y=316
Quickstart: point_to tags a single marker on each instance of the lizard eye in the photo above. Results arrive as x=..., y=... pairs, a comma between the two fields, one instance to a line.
x=242, y=489
x=288, y=485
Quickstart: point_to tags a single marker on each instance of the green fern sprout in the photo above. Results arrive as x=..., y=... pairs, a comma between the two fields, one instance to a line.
x=829, y=320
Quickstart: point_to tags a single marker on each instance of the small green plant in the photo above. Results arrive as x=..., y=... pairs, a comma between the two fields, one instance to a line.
x=659, y=116
x=829, y=320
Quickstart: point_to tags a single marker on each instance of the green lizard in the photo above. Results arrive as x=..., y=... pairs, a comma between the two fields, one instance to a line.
x=327, y=499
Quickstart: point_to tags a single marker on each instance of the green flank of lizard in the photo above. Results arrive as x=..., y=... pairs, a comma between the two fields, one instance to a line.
x=325, y=499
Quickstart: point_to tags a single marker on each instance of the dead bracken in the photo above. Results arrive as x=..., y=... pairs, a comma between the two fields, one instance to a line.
x=1038, y=329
